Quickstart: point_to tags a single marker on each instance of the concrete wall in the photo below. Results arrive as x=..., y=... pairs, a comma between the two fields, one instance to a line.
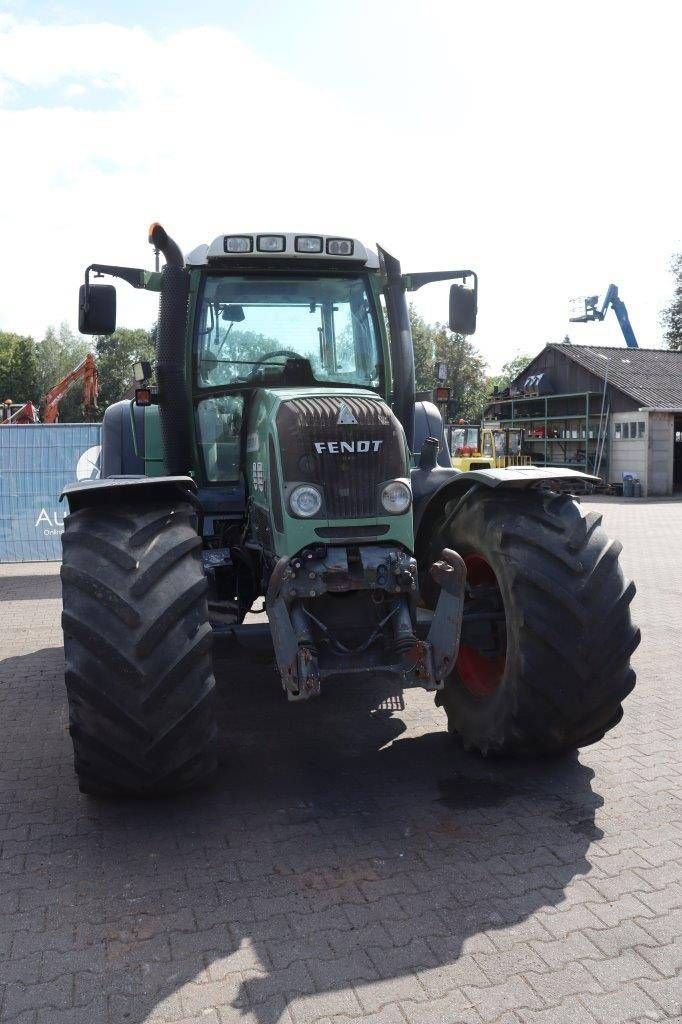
x=660, y=452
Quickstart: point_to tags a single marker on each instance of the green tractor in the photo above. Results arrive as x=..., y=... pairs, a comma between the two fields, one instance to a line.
x=277, y=451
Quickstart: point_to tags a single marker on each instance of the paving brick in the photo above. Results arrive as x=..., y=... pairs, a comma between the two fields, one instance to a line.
x=569, y=1011
x=228, y=992
x=295, y=980
x=628, y=1003
x=570, y=980
x=493, y=1001
x=613, y=972
x=666, y=959
x=454, y=1008
x=349, y=865
x=664, y=928
x=561, y=924
x=375, y=995
x=438, y=981
x=557, y=952
x=666, y=993
x=34, y=996
x=616, y=940
x=399, y=959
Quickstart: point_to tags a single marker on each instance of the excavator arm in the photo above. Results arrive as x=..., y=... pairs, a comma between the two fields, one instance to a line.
x=85, y=371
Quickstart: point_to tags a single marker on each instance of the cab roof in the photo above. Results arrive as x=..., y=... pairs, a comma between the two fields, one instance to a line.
x=283, y=245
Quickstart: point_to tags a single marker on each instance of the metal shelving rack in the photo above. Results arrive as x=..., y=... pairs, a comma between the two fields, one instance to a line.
x=588, y=426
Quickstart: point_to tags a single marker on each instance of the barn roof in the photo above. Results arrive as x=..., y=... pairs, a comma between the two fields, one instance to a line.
x=650, y=376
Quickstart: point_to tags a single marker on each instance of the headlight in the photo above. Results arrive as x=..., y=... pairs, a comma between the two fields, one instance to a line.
x=340, y=246
x=308, y=243
x=396, y=497
x=271, y=243
x=305, y=501
x=237, y=243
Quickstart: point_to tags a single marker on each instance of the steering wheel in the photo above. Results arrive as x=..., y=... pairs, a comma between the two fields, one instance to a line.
x=268, y=355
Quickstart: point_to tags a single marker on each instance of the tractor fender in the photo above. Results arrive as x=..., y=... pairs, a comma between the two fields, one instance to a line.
x=427, y=484
x=431, y=489
x=123, y=440
x=92, y=493
x=520, y=477
x=428, y=422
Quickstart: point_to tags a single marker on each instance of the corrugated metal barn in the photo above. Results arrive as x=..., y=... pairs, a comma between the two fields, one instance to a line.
x=612, y=411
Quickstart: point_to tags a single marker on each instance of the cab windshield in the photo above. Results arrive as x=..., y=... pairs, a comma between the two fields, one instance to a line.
x=249, y=330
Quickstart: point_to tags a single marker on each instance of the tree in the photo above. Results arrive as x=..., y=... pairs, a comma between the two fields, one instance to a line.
x=18, y=368
x=671, y=318
x=115, y=354
x=466, y=367
x=510, y=370
x=59, y=352
x=424, y=351
x=513, y=367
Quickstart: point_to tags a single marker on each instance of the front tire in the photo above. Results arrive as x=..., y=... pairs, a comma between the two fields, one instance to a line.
x=137, y=645
x=547, y=635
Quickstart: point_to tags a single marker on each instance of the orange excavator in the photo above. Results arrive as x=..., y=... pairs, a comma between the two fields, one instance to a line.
x=87, y=371
x=13, y=413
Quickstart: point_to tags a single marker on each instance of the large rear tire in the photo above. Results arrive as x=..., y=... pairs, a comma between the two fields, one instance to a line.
x=137, y=644
x=547, y=636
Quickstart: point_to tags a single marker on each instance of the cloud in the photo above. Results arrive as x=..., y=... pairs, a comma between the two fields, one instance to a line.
x=544, y=162
x=206, y=137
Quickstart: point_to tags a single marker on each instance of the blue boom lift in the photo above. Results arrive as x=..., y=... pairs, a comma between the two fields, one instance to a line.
x=613, y=300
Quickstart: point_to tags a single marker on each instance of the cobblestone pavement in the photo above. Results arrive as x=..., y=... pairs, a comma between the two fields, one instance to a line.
x=352, y=863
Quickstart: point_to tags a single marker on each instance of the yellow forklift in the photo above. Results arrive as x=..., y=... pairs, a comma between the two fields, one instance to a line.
x=485, y=446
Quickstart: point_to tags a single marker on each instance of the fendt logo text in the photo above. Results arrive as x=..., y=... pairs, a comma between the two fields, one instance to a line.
x=346, y=447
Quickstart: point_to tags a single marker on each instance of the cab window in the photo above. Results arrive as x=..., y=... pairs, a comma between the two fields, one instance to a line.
x=219, y=421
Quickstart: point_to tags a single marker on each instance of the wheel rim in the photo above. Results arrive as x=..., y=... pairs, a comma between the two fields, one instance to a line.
x=482, y=652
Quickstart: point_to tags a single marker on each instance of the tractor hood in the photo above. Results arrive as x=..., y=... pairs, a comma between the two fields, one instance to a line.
x=343, y=447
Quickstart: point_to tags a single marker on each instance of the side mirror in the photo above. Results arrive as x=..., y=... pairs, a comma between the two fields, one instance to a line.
x=98, y=316
x=463, y=307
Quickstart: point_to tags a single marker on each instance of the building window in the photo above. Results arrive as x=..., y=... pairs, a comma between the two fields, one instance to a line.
x=629, y=431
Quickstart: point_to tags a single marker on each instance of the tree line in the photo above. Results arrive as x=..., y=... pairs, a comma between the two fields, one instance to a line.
x=29, y=368
x=671, y=319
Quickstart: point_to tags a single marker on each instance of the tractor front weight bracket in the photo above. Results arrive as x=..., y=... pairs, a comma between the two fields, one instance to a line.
x=308, y=648
x=450, y=573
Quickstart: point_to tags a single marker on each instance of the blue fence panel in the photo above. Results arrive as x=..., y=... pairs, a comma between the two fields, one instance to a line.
x=36, y=462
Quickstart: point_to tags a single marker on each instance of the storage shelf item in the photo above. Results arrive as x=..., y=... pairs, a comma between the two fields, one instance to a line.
x=583, y=425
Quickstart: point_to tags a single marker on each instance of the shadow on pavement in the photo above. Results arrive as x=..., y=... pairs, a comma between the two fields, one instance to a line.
x=333, y=852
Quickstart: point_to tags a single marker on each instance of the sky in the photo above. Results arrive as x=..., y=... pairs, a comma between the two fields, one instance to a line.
x=537, y=143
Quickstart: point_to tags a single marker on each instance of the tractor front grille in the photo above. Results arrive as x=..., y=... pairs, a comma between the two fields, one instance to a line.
x=349, y=446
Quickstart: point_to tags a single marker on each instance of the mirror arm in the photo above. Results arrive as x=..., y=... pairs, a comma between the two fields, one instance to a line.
x=411, y=282
x=137, y=278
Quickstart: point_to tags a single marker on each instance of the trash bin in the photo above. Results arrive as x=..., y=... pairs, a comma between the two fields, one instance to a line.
x=637, y=489
x=628, y=487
